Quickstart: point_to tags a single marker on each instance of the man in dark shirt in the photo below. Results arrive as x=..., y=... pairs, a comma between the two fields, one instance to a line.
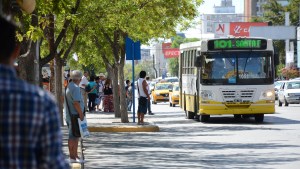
x=30, y=135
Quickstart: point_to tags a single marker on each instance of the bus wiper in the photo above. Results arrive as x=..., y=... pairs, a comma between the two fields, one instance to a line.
x=246, y=62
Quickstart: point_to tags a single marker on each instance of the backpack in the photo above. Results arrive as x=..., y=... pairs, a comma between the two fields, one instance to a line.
x=88, y=88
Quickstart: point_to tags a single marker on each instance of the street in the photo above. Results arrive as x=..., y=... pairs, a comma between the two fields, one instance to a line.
x=182, y=143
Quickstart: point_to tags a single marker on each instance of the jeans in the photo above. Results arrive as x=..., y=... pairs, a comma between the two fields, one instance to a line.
x=149, y=106
x=129, y=104
x=92, y=98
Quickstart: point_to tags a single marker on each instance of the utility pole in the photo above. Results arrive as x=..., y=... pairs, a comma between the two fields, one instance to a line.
x=154, y=67
x=298, y=41
x=289, y=56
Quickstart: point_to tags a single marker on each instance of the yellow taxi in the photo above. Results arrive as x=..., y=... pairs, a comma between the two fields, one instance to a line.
x=160, y=92
x=174, y=95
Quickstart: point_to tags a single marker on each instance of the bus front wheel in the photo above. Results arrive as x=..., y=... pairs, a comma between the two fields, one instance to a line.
x=259, y=118
x=204, y=118
x=189, y=114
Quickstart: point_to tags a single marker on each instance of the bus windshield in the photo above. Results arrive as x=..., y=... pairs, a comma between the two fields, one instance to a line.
x=241, y=67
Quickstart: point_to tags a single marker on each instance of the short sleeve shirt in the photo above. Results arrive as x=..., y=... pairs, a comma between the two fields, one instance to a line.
x=83, y=81
x=73, y=94
x=92, y=85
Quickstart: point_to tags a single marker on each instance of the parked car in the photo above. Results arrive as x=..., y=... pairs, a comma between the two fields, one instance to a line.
x=277, y=86
x=174, y=95
x=289, y=93
x=161, y=92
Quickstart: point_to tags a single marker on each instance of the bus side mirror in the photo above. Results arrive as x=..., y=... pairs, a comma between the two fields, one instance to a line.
x=198, y=61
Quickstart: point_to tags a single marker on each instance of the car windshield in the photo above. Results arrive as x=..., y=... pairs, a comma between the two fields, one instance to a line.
x=164, y=87
x=278, y=84
x=176, y=88
x=293, y=85
x=237, y=68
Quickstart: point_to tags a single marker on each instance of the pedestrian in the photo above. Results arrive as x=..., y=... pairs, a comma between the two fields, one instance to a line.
x=97, y=80
x=149, y=92
x=108, y=104
x=82, y=85
x=74, y=104
x=143, y=97
x=129, y=97
x=92, y=94
x=101, y=94
x=30, y=133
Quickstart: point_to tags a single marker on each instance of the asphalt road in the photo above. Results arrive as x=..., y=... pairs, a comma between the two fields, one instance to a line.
x=222, y=143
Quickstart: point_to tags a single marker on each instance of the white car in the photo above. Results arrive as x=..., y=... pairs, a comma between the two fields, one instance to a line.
x=277, y=86
x=289, y=93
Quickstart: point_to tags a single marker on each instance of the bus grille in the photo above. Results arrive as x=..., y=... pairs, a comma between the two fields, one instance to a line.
x=241, y=96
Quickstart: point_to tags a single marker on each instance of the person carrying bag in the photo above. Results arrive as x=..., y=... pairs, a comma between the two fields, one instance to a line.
x=74, y=108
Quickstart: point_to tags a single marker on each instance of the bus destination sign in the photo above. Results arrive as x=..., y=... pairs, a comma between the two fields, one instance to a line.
x=237, y=44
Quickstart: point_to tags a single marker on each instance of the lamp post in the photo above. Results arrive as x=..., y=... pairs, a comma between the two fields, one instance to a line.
x=154, y=67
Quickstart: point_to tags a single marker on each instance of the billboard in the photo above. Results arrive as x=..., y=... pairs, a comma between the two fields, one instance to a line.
x=243, y=28
x=236, y=29
x=170, y=52
x=274, y=32
x=221, y=29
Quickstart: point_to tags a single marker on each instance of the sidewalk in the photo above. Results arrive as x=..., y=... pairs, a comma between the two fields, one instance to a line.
x=106, y=122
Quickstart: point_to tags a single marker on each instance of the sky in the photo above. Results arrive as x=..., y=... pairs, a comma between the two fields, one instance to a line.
x=208, y=8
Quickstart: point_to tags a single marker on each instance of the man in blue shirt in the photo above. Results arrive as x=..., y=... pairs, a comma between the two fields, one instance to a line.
x=74, y=104
x=30, y=135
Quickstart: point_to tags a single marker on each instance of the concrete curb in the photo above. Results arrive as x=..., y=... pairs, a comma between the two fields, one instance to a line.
x=146, y=128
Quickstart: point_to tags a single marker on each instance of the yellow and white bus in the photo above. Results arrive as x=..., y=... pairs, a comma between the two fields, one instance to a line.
x=227, y=76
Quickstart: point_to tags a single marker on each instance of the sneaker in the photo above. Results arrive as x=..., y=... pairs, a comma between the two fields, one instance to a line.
x=77, y=160
x=150, y=113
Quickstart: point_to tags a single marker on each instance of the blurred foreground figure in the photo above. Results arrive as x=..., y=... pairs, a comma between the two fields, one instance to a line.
x=30, y=135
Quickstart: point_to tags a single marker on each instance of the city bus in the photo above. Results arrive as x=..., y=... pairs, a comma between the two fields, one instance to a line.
x=227, y=76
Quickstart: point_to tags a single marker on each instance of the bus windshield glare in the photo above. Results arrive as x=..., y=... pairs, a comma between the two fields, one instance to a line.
x=237, y=68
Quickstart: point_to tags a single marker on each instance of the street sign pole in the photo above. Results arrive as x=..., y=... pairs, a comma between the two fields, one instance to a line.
x=133, y=52
x=133, y=93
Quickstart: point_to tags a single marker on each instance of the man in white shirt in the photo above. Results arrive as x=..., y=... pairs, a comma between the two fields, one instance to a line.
x=143, y=97
x=82, y=85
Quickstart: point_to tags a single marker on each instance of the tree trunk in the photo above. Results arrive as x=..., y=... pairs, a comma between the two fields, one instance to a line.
x=116, y=91
x=30, y=56
x=26, y=72
x=123, y=102
x=58, y=85
x=52, y=79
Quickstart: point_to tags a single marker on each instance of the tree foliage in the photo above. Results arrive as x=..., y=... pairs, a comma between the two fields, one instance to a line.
x=99, y=29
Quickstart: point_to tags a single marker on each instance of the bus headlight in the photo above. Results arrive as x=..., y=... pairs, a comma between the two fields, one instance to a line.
x=206, y=95
x=268, y=94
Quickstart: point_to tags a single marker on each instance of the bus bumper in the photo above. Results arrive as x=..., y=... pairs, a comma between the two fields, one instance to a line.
x=219, y=109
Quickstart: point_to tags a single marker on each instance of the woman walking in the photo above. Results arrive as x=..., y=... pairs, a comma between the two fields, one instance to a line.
x=108, y=97
x=92, y=94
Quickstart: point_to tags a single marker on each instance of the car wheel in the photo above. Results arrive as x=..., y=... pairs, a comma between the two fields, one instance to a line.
x=190, y=115
x=259, y=118
x=286, y=103
x=170, y=104
x=237, y=116
x=204, y=118
x=173, y=105
x=279, y=103
x=245, y=116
